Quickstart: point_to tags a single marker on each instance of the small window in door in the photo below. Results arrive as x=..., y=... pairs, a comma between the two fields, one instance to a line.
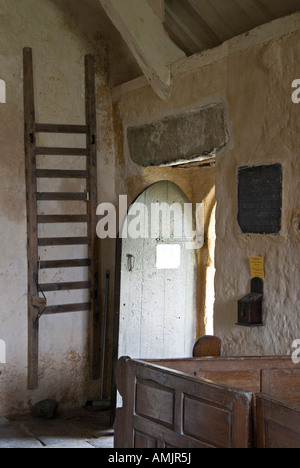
x=2, y=352
x=168, y=256
x=2, y=92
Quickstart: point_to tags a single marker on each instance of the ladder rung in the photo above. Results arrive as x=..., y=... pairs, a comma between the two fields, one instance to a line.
x=62, y=151
x=53, y=219
x=65, y=286
x=60, y=309
x=48, y=241
x=58, y=196
x=48, y=264
x=60, y=128
x=60, y=174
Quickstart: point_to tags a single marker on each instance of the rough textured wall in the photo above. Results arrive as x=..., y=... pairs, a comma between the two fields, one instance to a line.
x=265, y=125
x=59, y=44
x=251, y=76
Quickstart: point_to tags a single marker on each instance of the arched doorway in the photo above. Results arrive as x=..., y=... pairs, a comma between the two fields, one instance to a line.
x=157, y=317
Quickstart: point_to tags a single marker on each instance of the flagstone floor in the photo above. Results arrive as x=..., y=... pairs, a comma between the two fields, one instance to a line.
x=81, y=428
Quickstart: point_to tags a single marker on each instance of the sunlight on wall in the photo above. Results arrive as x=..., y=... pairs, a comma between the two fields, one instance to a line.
x=2, y=92
x=2, y=352
x=210, y=277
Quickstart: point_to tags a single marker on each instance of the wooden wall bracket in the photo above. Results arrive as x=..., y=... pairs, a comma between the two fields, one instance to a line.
x=37, y=306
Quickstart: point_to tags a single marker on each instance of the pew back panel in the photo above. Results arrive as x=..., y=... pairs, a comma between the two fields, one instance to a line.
x=277, y=376
x=167, y=408
x=282, y=383
x=205, y=402
x=277, y=423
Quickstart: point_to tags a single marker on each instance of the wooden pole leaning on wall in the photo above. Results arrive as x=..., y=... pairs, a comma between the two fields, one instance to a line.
x=94, y=277
x=32, y=234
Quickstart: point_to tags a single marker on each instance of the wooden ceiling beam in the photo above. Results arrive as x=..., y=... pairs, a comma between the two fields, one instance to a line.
x=179, y=36
x=213, y=18
x=158, y=6
x=183, y=20
x=144, y=34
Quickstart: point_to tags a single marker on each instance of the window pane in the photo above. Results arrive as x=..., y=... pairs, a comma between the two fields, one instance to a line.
x=168, y=256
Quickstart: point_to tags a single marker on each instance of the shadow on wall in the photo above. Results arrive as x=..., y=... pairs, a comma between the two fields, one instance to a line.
x=2, y=352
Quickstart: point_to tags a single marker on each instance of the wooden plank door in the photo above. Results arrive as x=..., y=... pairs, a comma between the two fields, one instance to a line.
x=157, y=300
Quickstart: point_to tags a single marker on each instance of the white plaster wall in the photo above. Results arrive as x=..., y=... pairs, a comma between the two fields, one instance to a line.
x=252, y=76
x=265, y=127
x=59, y=43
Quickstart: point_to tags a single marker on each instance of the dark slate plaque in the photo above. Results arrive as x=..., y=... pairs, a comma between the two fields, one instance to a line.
x=260, y=199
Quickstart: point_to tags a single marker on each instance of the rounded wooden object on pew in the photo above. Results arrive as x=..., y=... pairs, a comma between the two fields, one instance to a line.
x=207, y=346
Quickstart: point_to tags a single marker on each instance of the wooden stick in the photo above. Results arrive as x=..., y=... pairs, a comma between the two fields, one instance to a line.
x=61, y=151
x=61, y=128
x=95, y=337
x=61, y=309
x=59, y=241
x=30, y=163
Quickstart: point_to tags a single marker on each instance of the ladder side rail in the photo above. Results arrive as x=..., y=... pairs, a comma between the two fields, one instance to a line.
x=32, y=234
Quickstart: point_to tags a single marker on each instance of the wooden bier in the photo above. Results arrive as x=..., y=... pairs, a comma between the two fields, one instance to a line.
x=206, y=402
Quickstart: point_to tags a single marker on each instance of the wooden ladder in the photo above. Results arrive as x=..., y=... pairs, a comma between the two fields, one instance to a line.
x=37, y=303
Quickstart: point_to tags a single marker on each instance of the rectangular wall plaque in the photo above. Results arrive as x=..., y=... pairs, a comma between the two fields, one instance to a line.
x=260, y=199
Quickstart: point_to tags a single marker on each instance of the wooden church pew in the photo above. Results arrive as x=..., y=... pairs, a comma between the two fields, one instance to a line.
x=206, y=402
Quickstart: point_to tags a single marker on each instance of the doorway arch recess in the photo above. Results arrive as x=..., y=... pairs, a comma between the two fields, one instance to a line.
x=158, y=277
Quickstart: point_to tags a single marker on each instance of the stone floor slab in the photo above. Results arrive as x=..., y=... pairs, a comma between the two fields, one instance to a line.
x=77, y=445
x=13, y=436
x=56, y=431
x=76, y=429
x=102, y=442
x=94, y=424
